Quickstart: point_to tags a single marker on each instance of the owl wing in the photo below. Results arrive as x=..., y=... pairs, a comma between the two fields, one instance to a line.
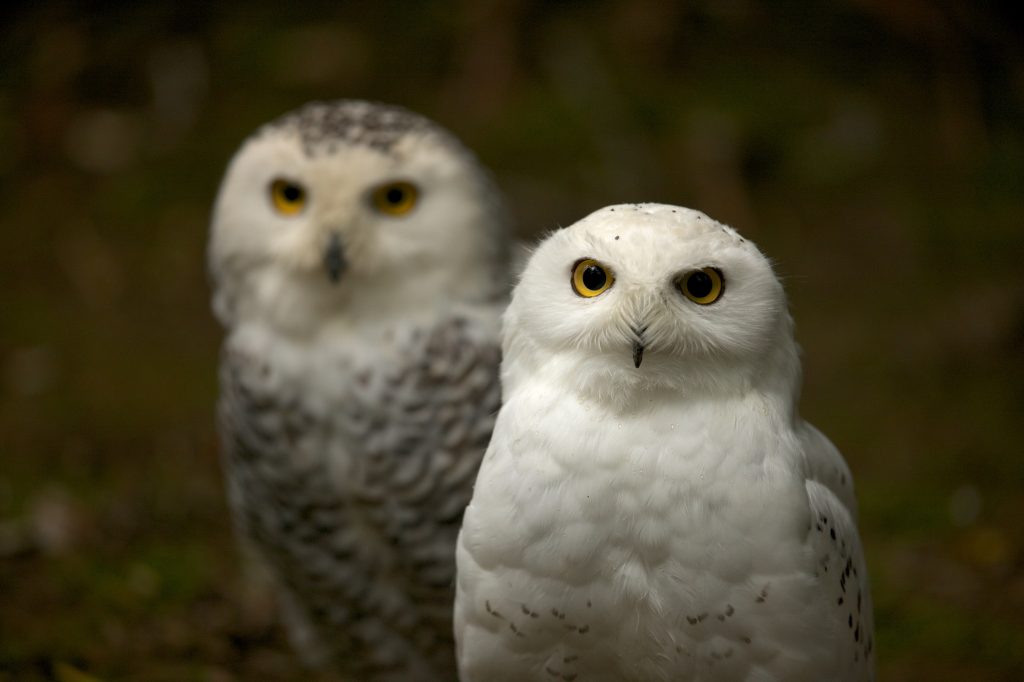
x=823, y=463
x=839, y=555
x=418, y=453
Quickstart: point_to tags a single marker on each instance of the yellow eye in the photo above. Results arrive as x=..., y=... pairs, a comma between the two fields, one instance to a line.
x=289, y=198
x=590, y=278
x=395, y=198
x=702, y=286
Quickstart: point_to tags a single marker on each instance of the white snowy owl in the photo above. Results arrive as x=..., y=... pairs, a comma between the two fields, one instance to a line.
x=651, y=506
x=357, y=255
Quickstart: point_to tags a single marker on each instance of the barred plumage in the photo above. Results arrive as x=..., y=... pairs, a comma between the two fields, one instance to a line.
x=414, y=437
x=355, y=409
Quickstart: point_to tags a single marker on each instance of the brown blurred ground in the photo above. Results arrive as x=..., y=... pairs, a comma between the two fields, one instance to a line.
x=874, y=149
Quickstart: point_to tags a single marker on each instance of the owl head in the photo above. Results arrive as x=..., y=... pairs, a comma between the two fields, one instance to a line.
x=649, y=297
x=355, y=211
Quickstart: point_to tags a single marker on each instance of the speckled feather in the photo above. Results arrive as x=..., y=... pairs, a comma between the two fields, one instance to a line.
x=369, y=567
x=323, y=126
x=359, y=374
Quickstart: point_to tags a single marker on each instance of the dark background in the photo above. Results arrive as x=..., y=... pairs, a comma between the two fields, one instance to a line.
x=874, y=149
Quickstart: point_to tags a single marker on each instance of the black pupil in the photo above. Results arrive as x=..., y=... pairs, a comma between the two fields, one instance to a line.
x=395, y=195
x=594, y=277
x=699, y=284
x=291, y=193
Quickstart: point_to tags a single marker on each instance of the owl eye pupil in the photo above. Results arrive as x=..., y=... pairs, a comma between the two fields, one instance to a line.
x=292, y=193
x=594, y=278
x=699, y=284
x=395, y=195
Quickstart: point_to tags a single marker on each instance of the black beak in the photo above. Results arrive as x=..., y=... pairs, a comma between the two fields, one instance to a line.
x=638, y=344
x=334, y=259
x=638, y=354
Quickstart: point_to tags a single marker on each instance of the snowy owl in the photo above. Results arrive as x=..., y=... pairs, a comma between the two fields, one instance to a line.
x=358, y=256
x=651, y=506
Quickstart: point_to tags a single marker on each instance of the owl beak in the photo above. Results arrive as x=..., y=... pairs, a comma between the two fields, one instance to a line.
x=638, y=344
x=638, y=354
x=334, y=259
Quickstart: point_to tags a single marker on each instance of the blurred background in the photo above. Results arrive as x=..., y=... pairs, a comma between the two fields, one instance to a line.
x=874, y=149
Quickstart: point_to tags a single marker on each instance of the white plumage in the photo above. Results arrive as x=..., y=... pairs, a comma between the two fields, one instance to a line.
x=651, y=506
x=358, y=258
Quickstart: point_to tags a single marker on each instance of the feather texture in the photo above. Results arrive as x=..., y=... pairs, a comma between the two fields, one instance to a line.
x=670, y=520
x=357, y=254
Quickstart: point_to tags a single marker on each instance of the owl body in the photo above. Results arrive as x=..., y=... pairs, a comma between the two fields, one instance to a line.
x=359, y=375
x=670, y=518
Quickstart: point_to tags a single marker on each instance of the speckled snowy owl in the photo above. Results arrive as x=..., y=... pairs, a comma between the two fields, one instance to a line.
x=357, y=256
x=651, y=506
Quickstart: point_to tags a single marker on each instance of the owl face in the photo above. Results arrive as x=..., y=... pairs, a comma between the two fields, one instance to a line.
x=648, y=296
x=369, y=209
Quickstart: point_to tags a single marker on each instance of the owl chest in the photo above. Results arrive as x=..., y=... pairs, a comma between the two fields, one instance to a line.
x=647, y=496
x=663, y=534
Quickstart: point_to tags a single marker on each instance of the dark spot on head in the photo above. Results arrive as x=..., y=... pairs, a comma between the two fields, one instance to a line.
x=616, y=237
x=832, y=532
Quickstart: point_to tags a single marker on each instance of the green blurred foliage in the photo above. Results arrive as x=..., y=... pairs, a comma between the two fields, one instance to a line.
x=875, y=150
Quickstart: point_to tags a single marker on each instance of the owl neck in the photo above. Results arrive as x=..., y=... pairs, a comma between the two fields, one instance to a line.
x=614, y=382
x=305, y=308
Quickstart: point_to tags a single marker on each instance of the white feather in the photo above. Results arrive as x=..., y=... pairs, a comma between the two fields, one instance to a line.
x=655, y=523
